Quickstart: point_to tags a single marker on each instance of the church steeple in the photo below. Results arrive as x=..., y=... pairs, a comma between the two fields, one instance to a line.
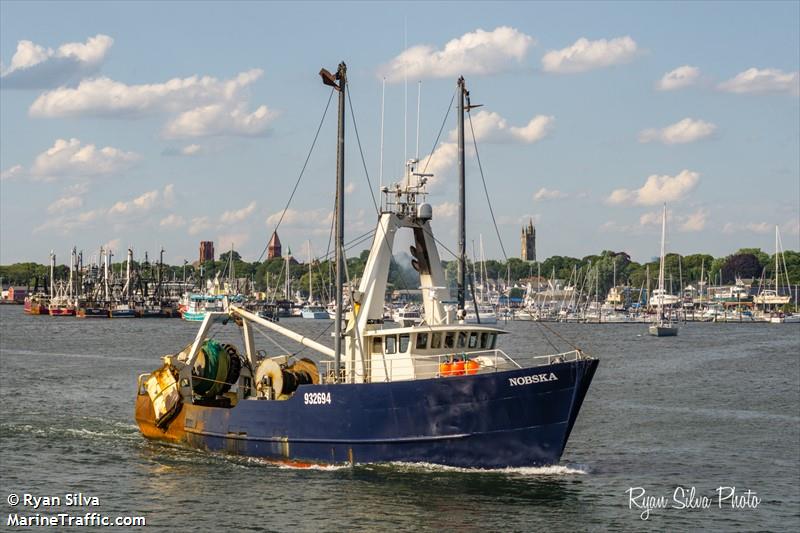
x=274, y=246
x=528, y=239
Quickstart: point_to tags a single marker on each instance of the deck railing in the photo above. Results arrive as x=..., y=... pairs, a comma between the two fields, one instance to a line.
x=435, y=366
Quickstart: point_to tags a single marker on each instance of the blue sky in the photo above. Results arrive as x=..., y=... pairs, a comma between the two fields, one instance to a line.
x=163, y=124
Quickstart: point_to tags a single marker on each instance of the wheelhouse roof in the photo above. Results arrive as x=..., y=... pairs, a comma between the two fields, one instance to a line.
x=439, y=328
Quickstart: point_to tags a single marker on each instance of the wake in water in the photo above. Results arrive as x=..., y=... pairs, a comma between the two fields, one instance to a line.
x=552, y=470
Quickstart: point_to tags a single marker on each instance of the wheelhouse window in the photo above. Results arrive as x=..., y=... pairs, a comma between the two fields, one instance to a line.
x=404, y=341
x=391, y=344
x=473, y=340
x=377, y=345
x=484, y=340
x=462, y=339
x=492, y=340
x=436, y=340
x=449, y=339
x=422, y=341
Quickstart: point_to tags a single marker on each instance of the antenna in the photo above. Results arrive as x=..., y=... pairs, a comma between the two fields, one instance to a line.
x=419, y=97
x=405, y=91
x=383, y=101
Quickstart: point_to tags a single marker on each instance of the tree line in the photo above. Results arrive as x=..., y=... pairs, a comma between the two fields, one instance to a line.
x=746, y=263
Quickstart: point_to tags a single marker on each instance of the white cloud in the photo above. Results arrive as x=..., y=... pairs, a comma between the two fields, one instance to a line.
x=236, y=239
x=199, y=225
x=65, y=203
x=202, y=106
x=113, y=245
x=474, y=53
x=657, y=189
x=653, y=218
x=440, y=163
x=750, y=227
x=144, y=202
x=490, y=127
x=69, y=158
x=237, y=215
x=548, y=194
x=684, y=131
x=10, y=173
x=679, y=78
x=192, y=149
x=311, y=218
x=350, y=188
x=694, y=221
x=172, y=221
x=755, y=80
x=586, y=55
x=106, y=97
x=219, y=119
x=445, y=210
x=34, y=66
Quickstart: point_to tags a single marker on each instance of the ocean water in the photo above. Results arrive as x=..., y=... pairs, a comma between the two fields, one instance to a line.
x=718, y=406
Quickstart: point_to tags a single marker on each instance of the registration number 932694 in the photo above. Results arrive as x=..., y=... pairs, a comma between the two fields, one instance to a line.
x=317, y=398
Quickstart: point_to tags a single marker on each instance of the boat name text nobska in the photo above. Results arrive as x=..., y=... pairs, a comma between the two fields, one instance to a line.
x=530, y=380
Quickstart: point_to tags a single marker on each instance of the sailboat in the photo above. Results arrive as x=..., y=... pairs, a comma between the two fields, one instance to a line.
x=662, y=325
x=441, y=392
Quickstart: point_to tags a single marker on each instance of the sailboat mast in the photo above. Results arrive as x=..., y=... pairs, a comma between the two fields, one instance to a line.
x=776, y=260
x=462, y=237
x=330, y=79
x=661, y=262
x=52, y=273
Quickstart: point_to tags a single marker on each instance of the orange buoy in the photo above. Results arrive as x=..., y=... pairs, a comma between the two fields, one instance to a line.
x=471, y=366
x=458, y=367
x=446, y=368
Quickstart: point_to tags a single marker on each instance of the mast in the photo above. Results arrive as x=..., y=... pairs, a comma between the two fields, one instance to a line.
x=52, y=273
x=128, y=275
x=776, y=260
x=330, y=79
x=310, y=288
x=460, y=283
x=661, y=262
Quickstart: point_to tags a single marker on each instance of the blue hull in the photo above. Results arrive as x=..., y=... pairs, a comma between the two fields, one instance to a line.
x=491, y=420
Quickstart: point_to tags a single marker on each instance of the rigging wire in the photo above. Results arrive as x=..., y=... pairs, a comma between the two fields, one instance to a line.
x=485, y=189
x=302, y=171
x=441, y=129
x=361, y=151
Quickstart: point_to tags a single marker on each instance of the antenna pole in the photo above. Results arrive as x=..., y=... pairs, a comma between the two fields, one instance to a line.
x=383, y=102
x=419, y=98
x=460, y=283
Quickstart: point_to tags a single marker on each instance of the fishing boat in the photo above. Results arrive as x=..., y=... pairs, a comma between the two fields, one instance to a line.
x=200, y=305
x=35, y=305
x=121, y=310
x=408, y=315
x=315, y=311
x=92, y=311
x=440, y=392
x=485, y=314
x=662, y=325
